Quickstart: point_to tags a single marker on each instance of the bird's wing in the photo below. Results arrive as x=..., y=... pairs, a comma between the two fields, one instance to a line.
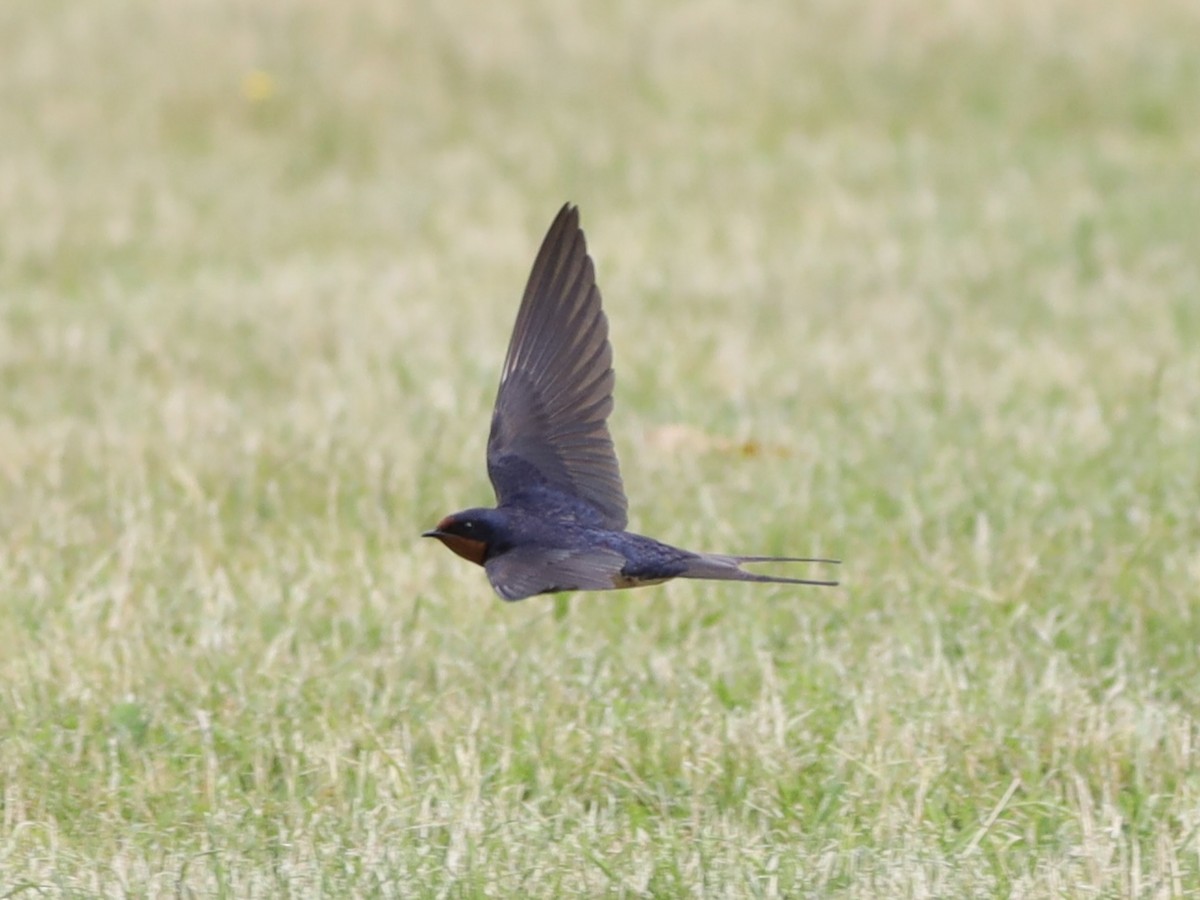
x=549, y=424
x=525, y=571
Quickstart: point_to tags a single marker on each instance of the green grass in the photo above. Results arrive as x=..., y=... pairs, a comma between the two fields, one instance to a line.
x=912, y=283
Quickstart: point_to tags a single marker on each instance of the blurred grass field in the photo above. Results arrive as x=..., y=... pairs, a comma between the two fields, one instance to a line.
x=916, y=284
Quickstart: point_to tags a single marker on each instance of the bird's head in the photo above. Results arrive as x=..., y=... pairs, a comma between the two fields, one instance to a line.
x=474, y=534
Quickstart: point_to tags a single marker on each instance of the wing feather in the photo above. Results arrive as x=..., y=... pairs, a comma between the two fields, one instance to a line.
x=550, y=419
x=526, y=571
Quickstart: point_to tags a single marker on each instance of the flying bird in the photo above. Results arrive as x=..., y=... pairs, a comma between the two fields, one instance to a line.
x=560, y=515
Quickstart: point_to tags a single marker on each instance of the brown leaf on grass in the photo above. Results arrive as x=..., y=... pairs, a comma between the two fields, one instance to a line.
x=677, y=437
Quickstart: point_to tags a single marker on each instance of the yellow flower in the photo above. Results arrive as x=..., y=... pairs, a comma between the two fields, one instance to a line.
x=258, y=86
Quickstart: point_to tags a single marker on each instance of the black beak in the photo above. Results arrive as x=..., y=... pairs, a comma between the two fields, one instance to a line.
x=433, y=532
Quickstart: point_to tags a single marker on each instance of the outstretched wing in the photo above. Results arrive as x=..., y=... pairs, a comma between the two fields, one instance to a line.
x=525, y=571
x=549, y=425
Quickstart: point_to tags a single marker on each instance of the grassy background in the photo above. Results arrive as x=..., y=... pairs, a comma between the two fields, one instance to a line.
x=913, y=283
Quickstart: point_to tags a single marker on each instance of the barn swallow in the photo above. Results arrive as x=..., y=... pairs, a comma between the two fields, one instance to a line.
x=559, y=521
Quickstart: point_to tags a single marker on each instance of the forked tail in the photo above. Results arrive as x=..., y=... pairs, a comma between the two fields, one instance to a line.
x=729, y=568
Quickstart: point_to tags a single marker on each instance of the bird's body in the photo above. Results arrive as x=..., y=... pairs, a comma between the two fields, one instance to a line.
x=559, y=523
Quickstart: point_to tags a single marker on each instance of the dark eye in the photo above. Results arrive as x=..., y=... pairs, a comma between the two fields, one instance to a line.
x=468, y=527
